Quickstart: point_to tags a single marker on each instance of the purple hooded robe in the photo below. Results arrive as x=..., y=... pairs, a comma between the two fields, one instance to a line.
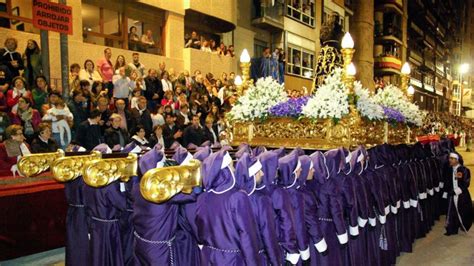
x=262, y=208
x=155, y=224
x=283, y=213
x=224, y=219
x=104, y=207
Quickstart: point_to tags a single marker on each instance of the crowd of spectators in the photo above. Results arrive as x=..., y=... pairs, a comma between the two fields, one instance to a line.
x=199, y=42
x=109, y=102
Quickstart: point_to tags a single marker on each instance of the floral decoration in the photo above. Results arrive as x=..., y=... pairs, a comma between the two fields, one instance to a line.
x=366, y=105
x=290, y=108
x=257, y=100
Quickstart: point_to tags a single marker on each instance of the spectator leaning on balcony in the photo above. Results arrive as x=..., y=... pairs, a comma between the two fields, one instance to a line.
x=19, y=90
x=133, y=39
x=206, y=46
x=12, y=149
x=194, y=42
x=11, y=58
x=122, y=86
x=147, y=40
x=137, y=66
x=106, y=69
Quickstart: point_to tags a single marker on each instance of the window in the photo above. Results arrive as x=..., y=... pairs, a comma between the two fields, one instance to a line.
x=300, y=61
x=258, y=47
x=17, y=15
x=105, y=23
x=301, y=10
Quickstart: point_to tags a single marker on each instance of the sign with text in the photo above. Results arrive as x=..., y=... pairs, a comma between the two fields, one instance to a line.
x=52, y=16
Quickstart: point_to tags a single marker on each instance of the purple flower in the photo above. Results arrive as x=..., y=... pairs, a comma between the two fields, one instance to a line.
x=392, y=115
x=291, y=108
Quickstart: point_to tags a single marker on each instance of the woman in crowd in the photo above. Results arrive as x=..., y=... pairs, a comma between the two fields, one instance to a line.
x=230, y=52
x=133, y=39
x=98, y=90
x=157, y=137
x=74, y=80
x=43, y=142
x=33, y=63
x=206, y=46
x=11, y=58
x=120, y=62
x=139, y=137
x=12, y=149
x=19, y=90
x=40, y=92
x=166, y=82
x=27, y=117
x=168, y=99
x=157, y=116
x=213, y=46
x=89, y=73
x=222, y=50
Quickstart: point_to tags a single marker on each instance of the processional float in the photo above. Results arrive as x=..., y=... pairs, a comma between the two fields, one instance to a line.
x=160, y=184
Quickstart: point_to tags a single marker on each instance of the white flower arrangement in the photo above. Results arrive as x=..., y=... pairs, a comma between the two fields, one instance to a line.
x=258, y=99
x=391, y=96
x=330, y=100
x=365, y=104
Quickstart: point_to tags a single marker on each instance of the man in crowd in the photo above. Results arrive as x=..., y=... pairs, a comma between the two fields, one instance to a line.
x=141, y=116
x=194, y=133
x=171, y=132
x=182, y=119
x=78, y=110
x=122, y=86
x=154, y=89
x=124, y=113
x=136, y=65
x=88, y=133
x=115, y=136
x=105, y=113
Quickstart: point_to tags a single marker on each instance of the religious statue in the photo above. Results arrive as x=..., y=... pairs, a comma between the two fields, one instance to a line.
x=329, y=56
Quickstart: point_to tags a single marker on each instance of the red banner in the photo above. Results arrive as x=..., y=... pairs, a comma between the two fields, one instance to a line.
x=52, y=16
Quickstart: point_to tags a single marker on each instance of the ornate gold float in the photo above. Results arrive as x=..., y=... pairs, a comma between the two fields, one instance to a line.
x=102, y=172
x=37, y=163
x=160, y=184
x=68, y=168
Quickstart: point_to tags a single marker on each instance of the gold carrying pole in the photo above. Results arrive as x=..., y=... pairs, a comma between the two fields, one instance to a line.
x=102, y=172
x=68, y=168
x=37, y=163
x=160, y=184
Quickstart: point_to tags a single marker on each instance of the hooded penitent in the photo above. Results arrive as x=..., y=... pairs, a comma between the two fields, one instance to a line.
x=245, y=171
x=182, y=156
x=156, y=224
x=284, y=218
x=224, y=218
x=104, y=206
x=287, y=168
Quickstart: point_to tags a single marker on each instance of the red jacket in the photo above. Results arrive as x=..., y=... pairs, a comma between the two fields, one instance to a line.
x=5, y=162
x=35, y=119
x=12, y=101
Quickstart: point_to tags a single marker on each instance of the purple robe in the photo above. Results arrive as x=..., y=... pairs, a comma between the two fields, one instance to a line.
x=224, y=217
x=330, y=213
x=262, y=209
x=77, y=240
x=105, y=206
x=155, y=224
x=317, y=243
x=283, y=213
x=288, y=178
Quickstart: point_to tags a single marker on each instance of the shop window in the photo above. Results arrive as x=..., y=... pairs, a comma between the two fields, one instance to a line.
x=17, y=15
x=301, y=10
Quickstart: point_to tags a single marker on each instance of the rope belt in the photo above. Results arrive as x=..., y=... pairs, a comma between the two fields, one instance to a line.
x=76, y=205
x=167, y=242
x=103, y=220
x=325, y=219
x=223, y=250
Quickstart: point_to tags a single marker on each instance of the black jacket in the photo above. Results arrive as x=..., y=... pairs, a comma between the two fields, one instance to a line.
x=144, y=119
x=153, y=86
x=168, y=135
x=193, y=135
x=6, y=59
x=208, y=134
x=88, y=136
x=80, y=114
x=39, y=146
x=112, y=137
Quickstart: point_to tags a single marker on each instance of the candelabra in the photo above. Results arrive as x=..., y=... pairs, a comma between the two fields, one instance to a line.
x=405, y=78
x=242, y=83
x=347, y=51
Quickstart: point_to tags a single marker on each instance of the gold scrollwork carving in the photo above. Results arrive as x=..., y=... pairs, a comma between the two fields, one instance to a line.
x=37, y=163
x=68, y=168
x=160, y=184
x=102, y=172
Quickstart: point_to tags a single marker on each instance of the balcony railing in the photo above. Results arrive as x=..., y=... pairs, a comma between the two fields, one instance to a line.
x=391, y=62
x=269, y=16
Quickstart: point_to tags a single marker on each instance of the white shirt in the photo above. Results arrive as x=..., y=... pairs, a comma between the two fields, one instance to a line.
x=167, y=86
x=122, y=86
x=51, y=116
x=157, y=119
